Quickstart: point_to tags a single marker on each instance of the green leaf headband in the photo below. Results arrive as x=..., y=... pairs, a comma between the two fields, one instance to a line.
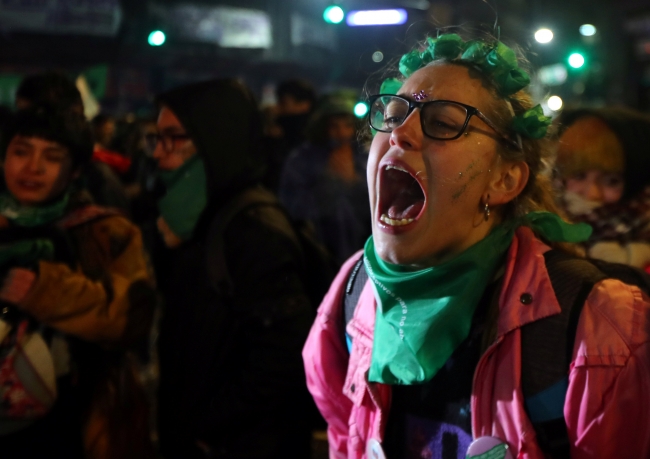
x=496, y=60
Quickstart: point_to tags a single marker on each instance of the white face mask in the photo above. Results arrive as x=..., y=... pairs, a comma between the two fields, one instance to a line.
x=578, y=205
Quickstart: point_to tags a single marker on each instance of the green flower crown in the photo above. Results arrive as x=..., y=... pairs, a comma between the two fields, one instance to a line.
x=496, y=60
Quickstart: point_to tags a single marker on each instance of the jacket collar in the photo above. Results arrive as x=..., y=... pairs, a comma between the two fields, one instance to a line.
x=527, y=294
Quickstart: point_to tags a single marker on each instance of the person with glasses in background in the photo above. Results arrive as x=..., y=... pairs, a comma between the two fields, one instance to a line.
x=236, y=309
x=469, y=326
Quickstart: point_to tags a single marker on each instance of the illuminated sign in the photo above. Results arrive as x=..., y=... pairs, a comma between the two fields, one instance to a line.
x=376, y=17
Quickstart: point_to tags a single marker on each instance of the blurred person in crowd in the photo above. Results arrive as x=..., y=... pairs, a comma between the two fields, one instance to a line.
x=603, y=167
x=53, y=89
x=104, y=130
x=296, y=100
x=142, y=183
x=49, y=88
x=469, y=326
x=5, y=116
x=295, y=103
x=324, y=180
x=76, y=292
x=230, y=369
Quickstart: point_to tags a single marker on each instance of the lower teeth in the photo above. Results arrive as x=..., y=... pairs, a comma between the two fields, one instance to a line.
x=395, y=222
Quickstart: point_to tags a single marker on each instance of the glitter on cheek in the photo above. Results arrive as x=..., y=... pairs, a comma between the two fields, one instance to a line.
x=459, y=193
x=463, y=188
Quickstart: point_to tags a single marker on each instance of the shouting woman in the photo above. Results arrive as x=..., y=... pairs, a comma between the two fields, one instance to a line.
x=469, y=327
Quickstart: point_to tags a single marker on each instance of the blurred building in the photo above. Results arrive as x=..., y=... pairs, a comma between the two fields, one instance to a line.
x=265, y=41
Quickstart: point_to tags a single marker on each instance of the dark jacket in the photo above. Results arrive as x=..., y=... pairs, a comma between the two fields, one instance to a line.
x=230, y=367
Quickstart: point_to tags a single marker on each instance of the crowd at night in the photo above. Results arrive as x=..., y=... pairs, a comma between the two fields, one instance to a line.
x=402, y=229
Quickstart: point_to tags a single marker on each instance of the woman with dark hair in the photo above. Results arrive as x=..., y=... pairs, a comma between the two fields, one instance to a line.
x=602, y=164
x=76, y=292
x=467, y=327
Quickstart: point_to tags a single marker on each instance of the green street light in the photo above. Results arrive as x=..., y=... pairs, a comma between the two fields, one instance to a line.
x=576, y=60
x=333, y=14
x=157, y=38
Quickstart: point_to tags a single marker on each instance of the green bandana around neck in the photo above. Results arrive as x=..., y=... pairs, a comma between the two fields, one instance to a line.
x=424, y=315
x=186, y=197
x=30, y=216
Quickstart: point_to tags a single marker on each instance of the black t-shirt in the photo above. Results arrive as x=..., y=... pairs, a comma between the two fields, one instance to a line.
x=433, y=420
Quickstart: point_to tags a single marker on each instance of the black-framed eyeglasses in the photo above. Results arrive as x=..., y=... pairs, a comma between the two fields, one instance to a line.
x=440, y=119
x=169, y=141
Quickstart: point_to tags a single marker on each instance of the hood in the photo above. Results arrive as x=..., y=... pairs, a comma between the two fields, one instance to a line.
x=632, y=129
x=222, y=118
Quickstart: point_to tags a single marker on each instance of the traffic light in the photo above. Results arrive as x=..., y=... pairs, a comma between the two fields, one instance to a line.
x=157, y=38
x=333, y=14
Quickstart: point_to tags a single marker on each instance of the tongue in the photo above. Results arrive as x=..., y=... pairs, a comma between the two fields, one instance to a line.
x=404, y=195
x=405, y=207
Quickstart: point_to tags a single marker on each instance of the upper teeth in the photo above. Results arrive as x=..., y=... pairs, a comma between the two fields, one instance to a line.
x=390, y=166
x=395, y=222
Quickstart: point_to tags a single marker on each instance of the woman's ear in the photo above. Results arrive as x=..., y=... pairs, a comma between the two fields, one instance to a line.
x=509, y=180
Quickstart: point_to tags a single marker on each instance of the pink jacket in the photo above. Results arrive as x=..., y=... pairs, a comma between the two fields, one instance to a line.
x=607, y=408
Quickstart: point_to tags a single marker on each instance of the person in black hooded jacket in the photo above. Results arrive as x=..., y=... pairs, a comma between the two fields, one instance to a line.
x=231, y=381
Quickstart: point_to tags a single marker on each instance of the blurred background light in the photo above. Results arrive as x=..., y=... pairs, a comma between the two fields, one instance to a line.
x=157, y=38
x=552, y=75
x=544, y=35
x=576, y=60
x=555, y=103
x=587, y=30
x=360, y=109
x=377, y=56
x=334, y=14
x=376, y=17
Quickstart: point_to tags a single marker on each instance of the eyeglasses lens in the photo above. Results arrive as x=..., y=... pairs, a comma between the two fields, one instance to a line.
x=440, y=120
x=388, y=113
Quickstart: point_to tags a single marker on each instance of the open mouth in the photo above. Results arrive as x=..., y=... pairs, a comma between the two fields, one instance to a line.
x=30, y=184
x=401, y=197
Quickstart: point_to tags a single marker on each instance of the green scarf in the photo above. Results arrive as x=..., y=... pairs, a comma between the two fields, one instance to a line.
x=424, y=315
x=26, y=253
x=186, y=197
x=30, y=216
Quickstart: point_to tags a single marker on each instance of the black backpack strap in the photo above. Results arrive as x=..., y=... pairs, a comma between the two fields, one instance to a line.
x=547, y=348
x=625, y=273
x=356, y=281
x=217, y=269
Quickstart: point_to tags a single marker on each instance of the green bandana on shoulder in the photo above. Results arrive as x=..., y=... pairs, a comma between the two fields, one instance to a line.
x=30, y=216
x=423, y=316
